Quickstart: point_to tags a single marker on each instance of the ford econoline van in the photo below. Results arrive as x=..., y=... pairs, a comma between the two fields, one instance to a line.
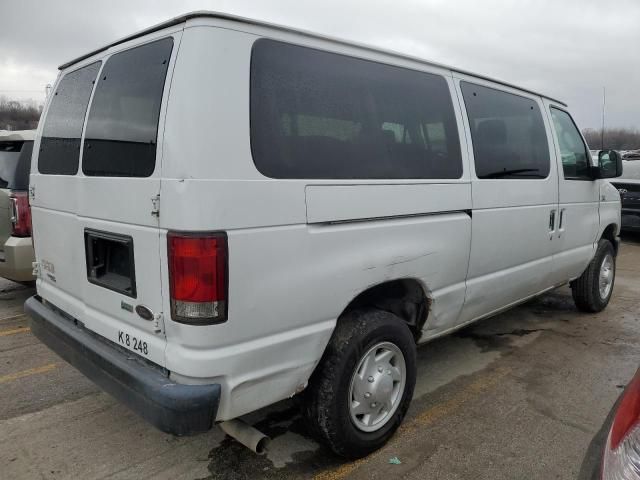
x=228, y=213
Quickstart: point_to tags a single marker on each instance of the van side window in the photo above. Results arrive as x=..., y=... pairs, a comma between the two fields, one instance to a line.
x=509, y=138
x=316, y=114
x=574, y=152
x=122, y=128
x=60, y=143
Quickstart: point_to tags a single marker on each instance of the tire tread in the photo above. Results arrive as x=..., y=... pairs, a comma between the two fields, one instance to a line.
x=584, y=289
x=320, y=397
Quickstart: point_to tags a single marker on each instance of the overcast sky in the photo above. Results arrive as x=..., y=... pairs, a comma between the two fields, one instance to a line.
x=569, y=49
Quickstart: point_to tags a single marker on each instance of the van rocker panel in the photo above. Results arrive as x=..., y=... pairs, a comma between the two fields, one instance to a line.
x=173, y=408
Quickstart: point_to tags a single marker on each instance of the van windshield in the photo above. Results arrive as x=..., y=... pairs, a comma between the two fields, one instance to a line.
x=15, y=162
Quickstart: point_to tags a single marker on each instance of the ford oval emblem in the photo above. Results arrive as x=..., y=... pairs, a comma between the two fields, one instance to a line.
x=144, y=312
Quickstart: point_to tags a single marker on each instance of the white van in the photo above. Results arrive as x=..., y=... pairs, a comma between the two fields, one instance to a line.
x=228, y=213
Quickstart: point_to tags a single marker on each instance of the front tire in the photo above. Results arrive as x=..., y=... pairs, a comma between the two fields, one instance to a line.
x=362, y=388
x=593, y=290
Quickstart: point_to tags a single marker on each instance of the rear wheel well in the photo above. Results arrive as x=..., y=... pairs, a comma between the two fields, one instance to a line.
x=405, y=298
x=610, y=234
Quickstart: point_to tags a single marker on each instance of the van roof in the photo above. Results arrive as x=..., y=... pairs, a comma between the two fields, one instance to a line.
x=17, y=135
x=251, y=21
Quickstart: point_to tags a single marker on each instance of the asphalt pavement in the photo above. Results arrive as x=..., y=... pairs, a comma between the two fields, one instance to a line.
x=517, y=396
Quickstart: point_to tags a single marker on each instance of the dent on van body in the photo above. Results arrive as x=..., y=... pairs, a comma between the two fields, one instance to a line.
x=321, y=268
x=283, y=235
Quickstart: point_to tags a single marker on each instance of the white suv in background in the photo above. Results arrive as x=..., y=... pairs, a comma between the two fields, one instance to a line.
x=228, y=213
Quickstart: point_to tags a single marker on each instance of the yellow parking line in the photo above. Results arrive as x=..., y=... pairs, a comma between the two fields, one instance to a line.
x=454, y=403
x=13, y=331
x=343, y=470
x=424, y=419
x=27, y=373
x=13, y=317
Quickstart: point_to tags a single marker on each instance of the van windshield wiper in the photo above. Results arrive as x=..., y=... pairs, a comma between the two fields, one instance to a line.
x=517, y=171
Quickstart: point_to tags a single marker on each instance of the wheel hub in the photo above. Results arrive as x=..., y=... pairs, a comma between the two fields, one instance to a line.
x=377, y=386
x=606, y=276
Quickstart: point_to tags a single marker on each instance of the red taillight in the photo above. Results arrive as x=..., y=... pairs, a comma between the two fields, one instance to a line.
x=198, y=277
x=622, y=453
x=628, y=412
x=20, y=214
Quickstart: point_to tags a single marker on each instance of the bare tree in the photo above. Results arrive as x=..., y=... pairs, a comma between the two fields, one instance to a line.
x=18, y=115
x=614, y=138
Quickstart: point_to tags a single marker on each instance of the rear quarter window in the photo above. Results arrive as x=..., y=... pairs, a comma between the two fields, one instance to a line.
x=60, y=143
x=316, y=114
x=122, y=128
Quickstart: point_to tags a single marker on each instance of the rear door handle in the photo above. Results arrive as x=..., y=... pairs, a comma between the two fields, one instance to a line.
x=552, y=222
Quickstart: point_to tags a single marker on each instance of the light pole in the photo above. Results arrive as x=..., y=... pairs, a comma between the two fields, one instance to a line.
x=604, y=100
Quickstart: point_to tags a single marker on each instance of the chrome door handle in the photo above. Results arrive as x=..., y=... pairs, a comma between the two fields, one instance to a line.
x=561, y=222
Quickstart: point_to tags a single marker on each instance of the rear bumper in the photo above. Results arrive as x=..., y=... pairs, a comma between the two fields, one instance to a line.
x=16, y=259
x=172, y=407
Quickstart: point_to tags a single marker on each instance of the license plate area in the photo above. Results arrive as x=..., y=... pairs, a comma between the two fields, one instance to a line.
x=133, y=343
x=110, y=262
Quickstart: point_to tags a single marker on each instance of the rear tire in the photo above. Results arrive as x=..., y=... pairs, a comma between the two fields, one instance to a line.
x=593, y=290
x=372, y=356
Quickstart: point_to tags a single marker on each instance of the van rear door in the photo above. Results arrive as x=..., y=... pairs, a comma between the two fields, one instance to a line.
x=95, y=185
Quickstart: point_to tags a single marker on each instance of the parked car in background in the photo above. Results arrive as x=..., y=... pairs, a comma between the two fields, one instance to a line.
x=264, y=212
x=629, y=187
x=16, y=247
x=631, y=155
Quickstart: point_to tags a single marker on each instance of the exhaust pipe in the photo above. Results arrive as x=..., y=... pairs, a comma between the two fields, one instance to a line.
x=248, y=436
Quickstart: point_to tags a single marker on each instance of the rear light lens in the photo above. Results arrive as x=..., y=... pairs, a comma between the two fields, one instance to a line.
x=20, y=214
x=622, y=453
x=198, y=277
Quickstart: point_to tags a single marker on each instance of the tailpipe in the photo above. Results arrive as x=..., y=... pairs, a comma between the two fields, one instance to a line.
x=248, y=436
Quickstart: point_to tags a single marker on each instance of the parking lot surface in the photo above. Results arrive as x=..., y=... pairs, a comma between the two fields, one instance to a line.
x=517, y=396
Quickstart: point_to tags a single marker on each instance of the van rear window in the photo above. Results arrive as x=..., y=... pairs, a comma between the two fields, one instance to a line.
x=60, y=143
x=122, y=128
x=316, y=114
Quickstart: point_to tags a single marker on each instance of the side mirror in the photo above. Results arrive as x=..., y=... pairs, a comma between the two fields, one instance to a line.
x=609, y=164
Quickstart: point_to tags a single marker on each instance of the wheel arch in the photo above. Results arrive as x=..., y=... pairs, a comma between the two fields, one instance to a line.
x=407, y=298
x=611, y=233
